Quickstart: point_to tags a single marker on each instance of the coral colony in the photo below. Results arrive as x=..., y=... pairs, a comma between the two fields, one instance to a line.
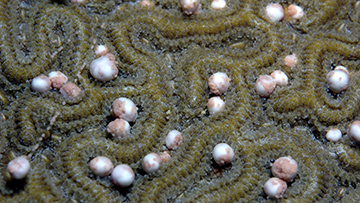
x=125, y=114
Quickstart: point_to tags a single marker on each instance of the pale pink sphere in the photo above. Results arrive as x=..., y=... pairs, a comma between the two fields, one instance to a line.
x=101, y=50
x=146, y=3
x=280, y=78
x=124, y=108
x=173, y=139
x=295, y=11
x=354, y=131
x=265, y=85
x=119, y=128
x=285, y=168
x=165, y=157
x=191, y=7
x=218, y=83
x=151, y=163
x=70, y=90
x=223, y=154
x=58, y=79
x=274, y=12
x=41, y=84
x=275, y=187
x=101, y=166
x=290, y=60
x=122, y=175
x=338, y=79
x=19, y=167
x=104, y=68
x=215, y=105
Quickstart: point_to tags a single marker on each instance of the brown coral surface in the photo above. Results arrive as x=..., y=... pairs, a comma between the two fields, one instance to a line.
x=165, y=59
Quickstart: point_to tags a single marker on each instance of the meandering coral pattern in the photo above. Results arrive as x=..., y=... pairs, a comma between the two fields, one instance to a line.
x=165, y=58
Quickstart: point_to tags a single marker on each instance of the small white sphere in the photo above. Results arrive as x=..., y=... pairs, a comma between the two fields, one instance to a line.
x=223, y=154
x=275, y=187
x=285, y=168
x=295, y=11
x=215, y=105
x=218, y=83
x=333, y=135
x=101, y=50
x=146, y=3
x=338, y=79
x=70, y=90
x=218, y=4
x=191, y=7
x=173, y=139
x=104, y=68
x=58, y=79
x=19, y=167
x=124, y=108
x=343, y=68
x=101, y=166
x=274, y=12
x=265, y=85
x=354, y=131
x=122, y=175
x=151, y=163
x=79, y=2
x=290, y=60
x=119, y=128
x=41, y=83
x=280, y=77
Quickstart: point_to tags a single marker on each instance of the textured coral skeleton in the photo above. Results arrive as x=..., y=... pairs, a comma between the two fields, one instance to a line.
x=165, y=59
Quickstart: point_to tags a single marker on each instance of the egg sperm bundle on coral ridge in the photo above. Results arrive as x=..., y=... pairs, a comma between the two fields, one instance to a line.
x=161, y=59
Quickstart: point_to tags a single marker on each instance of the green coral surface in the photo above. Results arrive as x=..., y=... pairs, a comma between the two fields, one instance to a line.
x=165, y=59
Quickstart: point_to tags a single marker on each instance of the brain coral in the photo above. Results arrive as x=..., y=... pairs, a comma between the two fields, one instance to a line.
x=165, y=59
